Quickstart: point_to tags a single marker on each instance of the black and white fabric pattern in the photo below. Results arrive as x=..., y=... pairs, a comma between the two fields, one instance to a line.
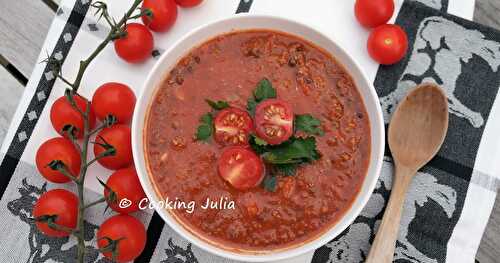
x=449, y=202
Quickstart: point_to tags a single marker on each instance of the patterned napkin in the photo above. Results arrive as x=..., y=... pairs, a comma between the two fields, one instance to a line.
x=449, y=202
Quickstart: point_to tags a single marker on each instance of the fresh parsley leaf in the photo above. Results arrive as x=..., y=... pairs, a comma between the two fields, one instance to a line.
x=257, y=145
x=308, y=124
x=270, y=183
x=205, y=129
x=286, y=169
x=264, y=90
x=203, y=133
x=259, y=141
x=207, y=118
x=295, y=150
x=217, y=105
x=251, y=105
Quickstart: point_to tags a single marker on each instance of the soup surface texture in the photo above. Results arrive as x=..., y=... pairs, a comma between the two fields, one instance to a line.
x=228, y=68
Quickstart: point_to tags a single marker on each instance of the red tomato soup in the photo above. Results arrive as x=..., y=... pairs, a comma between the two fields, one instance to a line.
x=228, y=68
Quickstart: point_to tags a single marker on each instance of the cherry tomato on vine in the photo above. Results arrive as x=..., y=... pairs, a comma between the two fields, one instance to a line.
x=164, y=14
x=137, y=45
x=115, y=99
x=62, y=115
x=128, y=232
x=57, y=149
x=62, y=206
x=241, y=167
x=387, y=44
x=119, y=136
x=188, y=3
x=373, y=13
x=125, y=184
x=274, y=121
x=232, y=126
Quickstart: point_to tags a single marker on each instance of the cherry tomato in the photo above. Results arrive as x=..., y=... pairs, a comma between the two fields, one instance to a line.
x=137, y=45
x=241, y=167
x=58, y=149
x=129, y=231
x=115, y=99
x=119, y=137
x=164, y=14
x=60, y=203
x=125, y=184
x=188, y=3
x=274, y=121
x=232, y=126
x=387, y=44
x=373, y=13
x=62, y=114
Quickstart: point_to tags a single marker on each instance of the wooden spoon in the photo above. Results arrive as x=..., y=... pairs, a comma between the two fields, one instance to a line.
x=416, y=132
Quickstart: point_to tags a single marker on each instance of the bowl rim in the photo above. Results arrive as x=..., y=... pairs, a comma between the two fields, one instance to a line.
x=349, y=216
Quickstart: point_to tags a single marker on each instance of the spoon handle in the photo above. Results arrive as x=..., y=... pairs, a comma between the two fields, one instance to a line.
x=382, y=250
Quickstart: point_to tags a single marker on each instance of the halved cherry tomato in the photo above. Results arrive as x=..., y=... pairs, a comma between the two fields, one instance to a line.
x=115, y=99
x=58, y=149
x=241, y=167
x=274, y=121
x=164, y=14
x=188, y=3
x=125, y=184
x=60, y=203
x=387, y=44
x=232, y=126
x=128, y=232
x=62, y=115
x=119, y=136
x=137, y=45
x=373, y=13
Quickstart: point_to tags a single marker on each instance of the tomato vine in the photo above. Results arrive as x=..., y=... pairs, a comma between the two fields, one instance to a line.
x=117, y=31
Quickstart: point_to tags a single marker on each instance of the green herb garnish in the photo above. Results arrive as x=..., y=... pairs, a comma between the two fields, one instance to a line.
x=269, y=183
x=263, y=91
x=295, y=150
x=257, y=144
x=308, y=124
x=259, y=141
x=285, y=158
x=206, y=127
x=286, y=169
x=217, y=105
x=251, y=104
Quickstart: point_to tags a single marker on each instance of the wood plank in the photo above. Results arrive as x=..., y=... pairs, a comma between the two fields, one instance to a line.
x=489, y=249
x=11, y=91
x=23, y=27
x=487, y=12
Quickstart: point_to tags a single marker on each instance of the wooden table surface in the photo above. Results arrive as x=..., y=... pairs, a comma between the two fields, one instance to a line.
x=20, y=44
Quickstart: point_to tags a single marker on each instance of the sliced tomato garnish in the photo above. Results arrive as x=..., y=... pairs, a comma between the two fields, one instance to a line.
x=232, y=126
x=241, y=167
x=274, y=121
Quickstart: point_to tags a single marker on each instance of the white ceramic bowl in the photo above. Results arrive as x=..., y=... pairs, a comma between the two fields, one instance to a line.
x=242, y=22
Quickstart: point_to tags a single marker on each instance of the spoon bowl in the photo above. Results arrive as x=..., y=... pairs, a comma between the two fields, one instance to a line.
x=418, y=127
